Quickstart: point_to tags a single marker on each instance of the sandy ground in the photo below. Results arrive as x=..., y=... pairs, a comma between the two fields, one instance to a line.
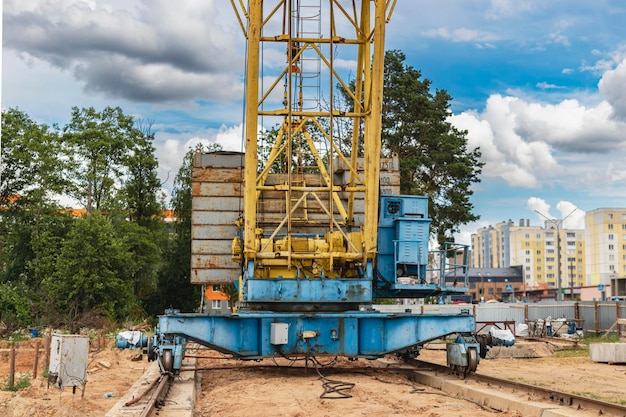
x=261, y=389
x=39, y=400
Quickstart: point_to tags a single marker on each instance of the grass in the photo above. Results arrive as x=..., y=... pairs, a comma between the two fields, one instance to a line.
x=21, y=381
x=615, y=400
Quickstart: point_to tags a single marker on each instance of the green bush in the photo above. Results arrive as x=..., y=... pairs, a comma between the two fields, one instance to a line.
x=20, y=382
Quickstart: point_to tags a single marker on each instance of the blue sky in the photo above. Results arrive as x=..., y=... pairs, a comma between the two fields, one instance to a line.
x=539, y=85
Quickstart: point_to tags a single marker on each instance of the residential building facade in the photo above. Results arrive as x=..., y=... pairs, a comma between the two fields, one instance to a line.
x=548, y=256
x=605, y=235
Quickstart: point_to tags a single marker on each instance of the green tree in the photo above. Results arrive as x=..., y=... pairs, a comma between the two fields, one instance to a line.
x=32, y=225
x=434, y=158
x=142, y=189
x=92, y=272
x=32, y=159
x=175, y=288
x=100, y=142
x=433, y=154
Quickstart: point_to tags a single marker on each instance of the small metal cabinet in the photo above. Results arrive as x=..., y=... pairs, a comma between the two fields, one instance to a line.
x=69, y=355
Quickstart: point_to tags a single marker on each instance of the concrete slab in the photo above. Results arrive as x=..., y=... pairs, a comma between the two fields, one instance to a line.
x=180, y=400
x=608, y=352
x=491, y=398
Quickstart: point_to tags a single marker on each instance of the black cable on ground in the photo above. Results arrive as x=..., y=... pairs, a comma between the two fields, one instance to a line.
x=333, y=389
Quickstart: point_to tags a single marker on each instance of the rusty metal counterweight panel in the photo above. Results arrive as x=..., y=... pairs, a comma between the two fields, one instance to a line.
x=217, y=203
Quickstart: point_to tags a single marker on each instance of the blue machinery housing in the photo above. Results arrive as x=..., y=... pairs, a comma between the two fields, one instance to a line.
x=324, y=321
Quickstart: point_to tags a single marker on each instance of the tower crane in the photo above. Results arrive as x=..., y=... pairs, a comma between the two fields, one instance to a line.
x=308, y=222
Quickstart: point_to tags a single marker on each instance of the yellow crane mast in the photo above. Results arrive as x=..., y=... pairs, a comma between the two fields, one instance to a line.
x=316, y=43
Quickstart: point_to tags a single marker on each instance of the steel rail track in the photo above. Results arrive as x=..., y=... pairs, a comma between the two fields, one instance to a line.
x=559, y=397
x=574, y=401
x=158, y=396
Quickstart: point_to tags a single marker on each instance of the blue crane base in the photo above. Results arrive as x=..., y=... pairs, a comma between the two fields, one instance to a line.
x=256, y=335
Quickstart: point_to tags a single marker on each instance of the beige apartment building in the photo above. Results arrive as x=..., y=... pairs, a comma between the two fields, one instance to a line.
x=605, y=236
x=545, y=253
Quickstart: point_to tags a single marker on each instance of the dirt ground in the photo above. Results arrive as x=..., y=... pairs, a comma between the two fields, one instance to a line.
x=261, y=389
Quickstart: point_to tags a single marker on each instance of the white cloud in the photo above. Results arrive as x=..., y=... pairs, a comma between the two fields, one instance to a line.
x=461, y=35
x=526, y=143
x=572, y=216
x=613, y=86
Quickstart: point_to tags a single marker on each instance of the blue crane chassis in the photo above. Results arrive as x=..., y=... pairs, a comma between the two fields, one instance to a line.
x=254, y=335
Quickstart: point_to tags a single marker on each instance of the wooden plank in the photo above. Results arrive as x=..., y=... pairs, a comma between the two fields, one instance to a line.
x=220, y=159
x=212, y=189
x=213, y=262
x=217, y=217
x=215, y=276
x=211, y=247
x=223, y=203
x=213, y=232
x=214, y=175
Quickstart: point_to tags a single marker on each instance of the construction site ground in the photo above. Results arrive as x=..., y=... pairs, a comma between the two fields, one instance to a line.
x=260, y=389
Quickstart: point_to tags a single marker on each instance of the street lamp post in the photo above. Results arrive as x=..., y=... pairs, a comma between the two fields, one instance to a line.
x=558, y=224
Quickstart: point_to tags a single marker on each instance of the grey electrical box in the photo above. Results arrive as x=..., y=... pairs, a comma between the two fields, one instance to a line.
x=69, y=355
x=279, y=333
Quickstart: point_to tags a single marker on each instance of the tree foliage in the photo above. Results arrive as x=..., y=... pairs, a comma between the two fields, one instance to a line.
x=434, y=158
x=32, y=161
x=100, y=142
x=92, y=271
x=174, y=287
x=55, y=267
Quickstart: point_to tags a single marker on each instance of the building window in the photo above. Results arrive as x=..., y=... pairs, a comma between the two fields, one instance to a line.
x=216, y=304
x=538, y=252
x=610, y=215
x=217, y=288
x=611, y=267
x=538, y=268
x=610, y=236
x=527, y=252
x=527, y=236
x=610, y=226
x=623, y=226
x=611, y=247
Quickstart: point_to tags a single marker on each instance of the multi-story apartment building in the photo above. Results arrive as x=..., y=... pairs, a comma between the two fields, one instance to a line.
x=605, y=235
x=545, y=253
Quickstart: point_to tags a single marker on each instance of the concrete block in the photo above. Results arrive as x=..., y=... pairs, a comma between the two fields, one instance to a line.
x=608, y=352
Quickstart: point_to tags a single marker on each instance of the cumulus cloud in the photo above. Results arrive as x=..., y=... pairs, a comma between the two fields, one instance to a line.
x=612, y=85
x=569, y=213
x=154, y=51
x=527, y=144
